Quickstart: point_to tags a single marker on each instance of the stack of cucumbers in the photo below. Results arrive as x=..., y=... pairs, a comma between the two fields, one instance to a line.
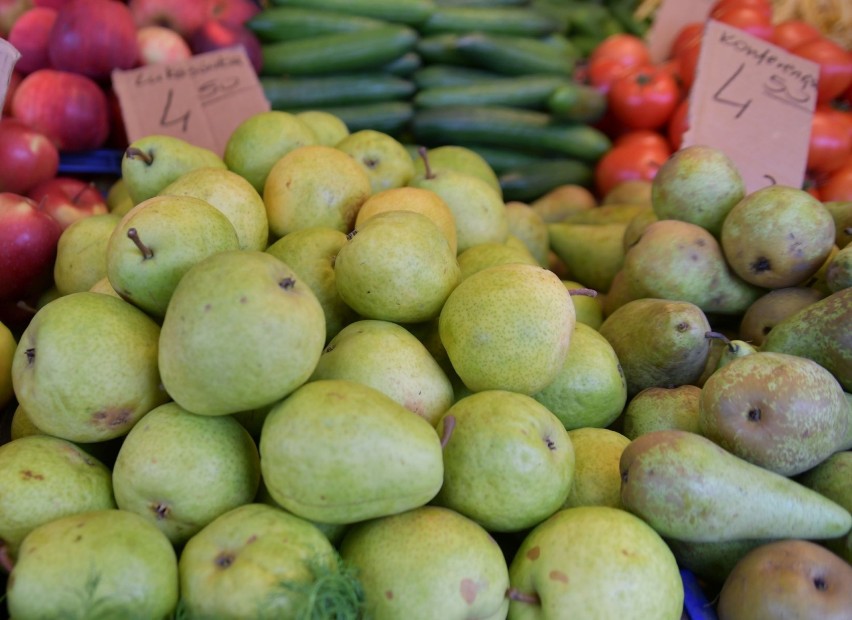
x=495, y=76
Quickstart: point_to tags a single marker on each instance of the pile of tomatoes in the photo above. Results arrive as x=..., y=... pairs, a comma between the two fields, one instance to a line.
x=648, y=102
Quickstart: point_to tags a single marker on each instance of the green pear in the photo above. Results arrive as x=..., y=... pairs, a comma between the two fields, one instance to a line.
x=592, y=252
x=104, y=287
x=328, y=128
x=613, y=213
x=314, y=186
x=783, y=412
x=257, y=561
x=712, y=561
x=389, y=358
x=777, y=236
x=819, y=281
x=563, y=200
x=819, y=331
x=588, y=309
x=528, y=226
x=787, y=579
x=662, y=408
x=731, y=351
x=105, y=563
x=636, y=227
x=482, y=255
x=156, y=243
x=659, y=343
x=326, y=452
x=180, y=471
x=8, y=344
x=568, y=566
x=683, y=261
x=86, y=367
x=48, y=478
x=841, y=212
x=508, y=461
x=698, y=184
x=630, y=191
x=397, y=267
x=773, y=307
x=231, y=194
x=689, y=488
x=460, y=159
x=332, y=531
x=269, y=326
x=508, y=327
x=118, y=197
x=590, y=389
x=152, y=162
x=838, y=274
x=311, y=253
x=597, y=479
x=831, y=479
x=81, y=253
x=383, y=157
x=261, y=140
x=619, y=293
x=430, y=562
x=22, y=425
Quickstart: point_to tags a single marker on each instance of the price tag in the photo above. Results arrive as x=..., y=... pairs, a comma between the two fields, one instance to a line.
x=200, y=100
x=754, y=101
x=669, y=18
x=9, y=55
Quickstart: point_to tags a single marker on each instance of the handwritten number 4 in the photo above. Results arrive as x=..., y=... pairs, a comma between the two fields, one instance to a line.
x=166, y=120
x=717, y=96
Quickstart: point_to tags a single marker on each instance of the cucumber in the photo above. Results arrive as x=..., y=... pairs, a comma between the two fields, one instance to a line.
x=390, y=117
x=577, y=103
x=531, y=181
x=503, y=159
x=404, y=65
x=339, y=52
x=511, y=55
x=295, y=92
x=526, y=91
x=411, y=12
x=512, y=128
x=516, y=21
x=441, y=49
x=481, y=2
x=291, y=23
x=434, y=76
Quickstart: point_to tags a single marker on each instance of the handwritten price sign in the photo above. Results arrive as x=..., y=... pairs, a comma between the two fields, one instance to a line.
x=200, y=100
x=754, y=101
x=9, y=55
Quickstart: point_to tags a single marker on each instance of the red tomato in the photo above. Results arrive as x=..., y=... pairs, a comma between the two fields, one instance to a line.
x=625, y=163
x=647, y=138
x=749, y=20
x=678, y=124
x=792, y=32
x=603, y=71
x=835, y=66
x=687, y=35
x=838, y=186
x=764, y=7
x=645, y=98
x=687, y=57
x=628, y=48
x=830, y=140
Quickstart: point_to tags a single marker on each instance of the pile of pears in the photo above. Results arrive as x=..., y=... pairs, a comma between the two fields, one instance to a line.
x=331, y=375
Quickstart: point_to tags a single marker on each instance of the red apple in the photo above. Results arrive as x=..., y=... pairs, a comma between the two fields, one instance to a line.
x=68, y=108
x=233, y=12
x=27, y=157
x=182, y=17
x=28, y=239
x=160, y=44
x=93, y=37
x=30, y=35
x=215, y=35
x=53, y=4
x=10, y=11
x=68, y=199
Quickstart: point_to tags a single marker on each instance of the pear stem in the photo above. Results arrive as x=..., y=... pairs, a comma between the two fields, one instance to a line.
x=6, y=562
x=133, y=152
x=587, y=292
x=522, y=597
x=449, y=426
x=720, y=336
x=421, y=150
x=26, y=307
x=133, y=235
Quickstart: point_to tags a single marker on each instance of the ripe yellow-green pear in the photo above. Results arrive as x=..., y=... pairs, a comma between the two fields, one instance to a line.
x=461, y=159
x=630, y=191
x=314, y=186
x=270, y=333
x=563, y=200
x=118, y=197
x=231, y=194
x=588, y=309
x=383, y=157
x=527, y=225
x=567, y=567
x=597, y=478
x=328, y=128
x=81, y=257
x=48, y=478
x=508, y=327
x=180, y=471
x=593, y=253
x=8, y=344
x=482, y=255
x=156, y=243
x=104, y=287
x=78, y=563
x=430, y=562
x=660, y=408
x=773, y=307
x=86, y=367
x=841, y=212
x=261, y=140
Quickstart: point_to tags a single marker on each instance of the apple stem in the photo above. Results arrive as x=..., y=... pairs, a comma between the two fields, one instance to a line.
x=522, y=597
x=6, y=562
x=76, y=198
x=147, y=252
x=449, y=425
x=588, y=292
x=421, y=150
x=133, y=152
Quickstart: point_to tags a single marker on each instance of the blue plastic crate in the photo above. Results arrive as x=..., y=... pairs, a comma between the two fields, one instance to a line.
x=695, y=603
x=98, y=161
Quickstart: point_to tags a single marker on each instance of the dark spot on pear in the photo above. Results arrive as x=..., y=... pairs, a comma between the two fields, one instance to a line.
x=533, y=553
x=287, y=284
x=682, y=326
x=27, y=474
x=30, y=353
x=161, y=510
x=243, y=299
x=329, y=349
x=333, y=260
x=693, y=257
x=207, y=307
x=557, y=575
x=388, y=594
x=371, y=162
x=251, y=539
x=111, y=417
x=754, y=414
x=700, y=242
x=760, y=264
x=224, y=559
x=468, y=589
x=624, y=477
x=78, y=538
x=550, y=443
x=820, y=584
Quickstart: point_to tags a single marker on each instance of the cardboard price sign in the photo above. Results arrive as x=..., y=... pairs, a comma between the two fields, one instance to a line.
x=9, y=55
x=754, y=101
x=200, y=100
x=669, y=19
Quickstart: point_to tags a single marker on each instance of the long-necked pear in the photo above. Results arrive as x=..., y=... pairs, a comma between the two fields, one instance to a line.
x=688, y=487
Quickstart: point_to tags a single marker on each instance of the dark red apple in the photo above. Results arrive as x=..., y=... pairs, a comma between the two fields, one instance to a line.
x=233, y=12
x=28, y=239
x=183, y=17
x=68, y=199
x=215, y=35
x=53, y=4
x=68, y=108
x=93, y=37
x=27, y=157
x=30, y=35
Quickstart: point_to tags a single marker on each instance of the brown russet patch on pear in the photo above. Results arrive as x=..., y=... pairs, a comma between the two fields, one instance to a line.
x=27, y=474
x=533, y=553
x=557, y=575
x=469, y=589
x=388, y=594
x=112, y=417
